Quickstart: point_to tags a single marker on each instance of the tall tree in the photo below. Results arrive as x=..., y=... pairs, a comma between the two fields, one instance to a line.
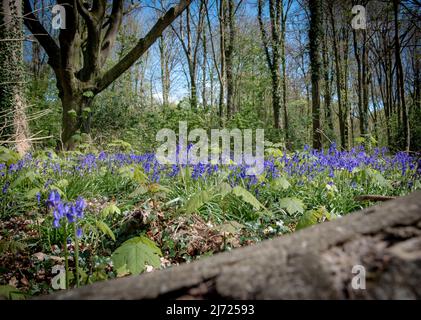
x=315, y=35
x=90, y=33
x=229, y=54
x=271, y=45
x=13, y=122
x=402, y=108
x=189, y=34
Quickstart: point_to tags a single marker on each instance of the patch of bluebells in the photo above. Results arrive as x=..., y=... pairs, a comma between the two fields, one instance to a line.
x=308, y=163
x=62, y=211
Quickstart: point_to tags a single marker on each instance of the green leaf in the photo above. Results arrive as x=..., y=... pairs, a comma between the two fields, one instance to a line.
x=72, y=113
x=88, y=94
x=11, y=293
x=8, y=156
x=196, y=201
x=28, y=177
x=313, y=217
x=139, y=176
x=135, y=253
x=379, y=179
x=223, y=189
x=105, y=229
x=247, y=197
x=141, y=189
x=292, y=205
x=309, y=218
x=109, y=210
x=281, y=183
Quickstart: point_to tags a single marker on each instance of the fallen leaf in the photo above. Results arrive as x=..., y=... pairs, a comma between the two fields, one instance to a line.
x=13, y=282
x=40, y=256
x=24, y=281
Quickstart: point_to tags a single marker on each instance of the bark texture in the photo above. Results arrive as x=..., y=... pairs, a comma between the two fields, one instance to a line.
x=315, y=263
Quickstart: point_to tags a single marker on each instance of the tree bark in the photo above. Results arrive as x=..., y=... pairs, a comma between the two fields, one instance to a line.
x=315, y=36
x=271, y=45
x=14, y=127
x=229, y=54
x=314, y=263
x=339, y=81
x=402, y=108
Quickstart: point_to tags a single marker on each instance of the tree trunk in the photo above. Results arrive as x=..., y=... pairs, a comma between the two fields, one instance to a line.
x=204, y=63
x=379, y=245
x=276, y=97
x=359, y=82
x=14, y=129
x=402, y=108
x=339, y=84
x=327, y=88
x=164, y=71
x=315, y=36
x=229, y=54
x=284, y=79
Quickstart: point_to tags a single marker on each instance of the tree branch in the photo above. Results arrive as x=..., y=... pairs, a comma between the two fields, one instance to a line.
x=141, y=46
x=42, y=35
x=115, y=20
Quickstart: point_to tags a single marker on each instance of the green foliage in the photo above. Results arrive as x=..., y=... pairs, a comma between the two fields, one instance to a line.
x=134, y=254
x=11, y=293
x=292, y=205
x=313, y=217
x=11, y=246
x=8, y=156
x=247, y=197
x=105, y=229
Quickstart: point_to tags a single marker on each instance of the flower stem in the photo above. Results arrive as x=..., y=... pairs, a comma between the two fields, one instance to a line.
x=76, y=256
x=66, y=257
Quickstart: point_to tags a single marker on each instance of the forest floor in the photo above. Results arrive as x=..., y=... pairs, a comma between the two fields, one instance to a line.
x=122, y=213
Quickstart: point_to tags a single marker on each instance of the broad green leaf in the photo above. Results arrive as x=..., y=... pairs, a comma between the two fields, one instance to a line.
x=135, y=253
x=139, y=176
x=223, y=189
x=313, y=217
x=105, y=229
x=379, y=179
x=11, y=293
x=8, y=156
x=196, y=201
x=281, y=183
x=109, y=210
x=247, y=197
x=292, y=205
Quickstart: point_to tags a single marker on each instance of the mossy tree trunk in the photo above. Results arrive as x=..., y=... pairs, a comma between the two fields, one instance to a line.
x=13, y=122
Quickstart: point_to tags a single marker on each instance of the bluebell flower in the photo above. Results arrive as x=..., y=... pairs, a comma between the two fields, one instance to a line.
x=38, y=196
x=79, y=233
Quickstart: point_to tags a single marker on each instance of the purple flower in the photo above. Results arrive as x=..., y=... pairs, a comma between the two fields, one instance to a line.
x=38, y=196
x=53, y=199
x=79, y=232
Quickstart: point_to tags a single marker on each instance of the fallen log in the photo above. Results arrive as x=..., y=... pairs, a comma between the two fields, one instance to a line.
x=314, y=263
